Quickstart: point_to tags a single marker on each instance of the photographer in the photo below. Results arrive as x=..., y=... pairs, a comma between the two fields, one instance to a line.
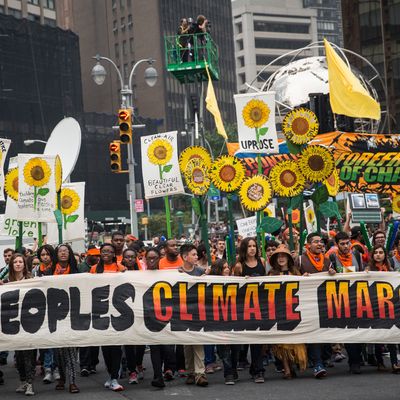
x=199, y=28
x=184, y=40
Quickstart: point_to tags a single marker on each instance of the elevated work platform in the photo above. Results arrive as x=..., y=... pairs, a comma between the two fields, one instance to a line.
x=187, y=55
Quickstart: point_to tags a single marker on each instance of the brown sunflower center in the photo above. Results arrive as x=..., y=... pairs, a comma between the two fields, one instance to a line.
x=160, y=152
x=255, y=192
x=316, y=163
x=288, y=178
x=227, y=173
x=15, y=184
x=256, y=114
x=300, y=126
x=66, y=202
x=37, y=173
x=198, y=176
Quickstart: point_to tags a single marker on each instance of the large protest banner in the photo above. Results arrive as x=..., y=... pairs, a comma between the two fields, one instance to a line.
x=168, y=307
x=368, y=163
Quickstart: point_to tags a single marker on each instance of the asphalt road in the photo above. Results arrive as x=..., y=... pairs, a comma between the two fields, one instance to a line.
x=339, y=384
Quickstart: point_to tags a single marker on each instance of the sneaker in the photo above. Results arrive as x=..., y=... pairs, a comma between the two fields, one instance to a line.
x=209, y=369
x=93, y=370
x=56, y=374
x=29, y=390
x=319, y=372
x=22, y=387
x=182, y=373
x=115, y=386
x=107, y=384
x=140, y=372
x=85, y=372
x=201, y=380
x=168, y=375
x=158, y=383
x=48, y=376
x=229, y=380
x=133, y=378
x=190, y=380
x=259, y=378
x=217, y=367
x=73, y=388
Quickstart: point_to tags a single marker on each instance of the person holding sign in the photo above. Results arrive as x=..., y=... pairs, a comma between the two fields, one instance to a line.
x=112, y=354
x=25, y=359
x=66, y=356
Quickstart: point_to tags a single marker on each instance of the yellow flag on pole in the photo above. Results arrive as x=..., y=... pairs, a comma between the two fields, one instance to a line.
x=212, y=106
x=347, y=95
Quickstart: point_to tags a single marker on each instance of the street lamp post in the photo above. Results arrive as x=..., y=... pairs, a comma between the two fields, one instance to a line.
x=99, y=75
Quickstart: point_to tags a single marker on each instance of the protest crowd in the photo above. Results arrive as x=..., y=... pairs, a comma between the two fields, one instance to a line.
x=330, y=252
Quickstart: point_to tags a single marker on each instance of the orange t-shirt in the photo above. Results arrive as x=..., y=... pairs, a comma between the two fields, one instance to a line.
x=166, y=264
x=108, y=268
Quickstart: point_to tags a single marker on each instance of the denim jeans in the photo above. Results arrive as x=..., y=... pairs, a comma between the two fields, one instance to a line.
x=315, y=354
x=229, y=355
x=256, y=366
x=209, y=354
x=48, y=359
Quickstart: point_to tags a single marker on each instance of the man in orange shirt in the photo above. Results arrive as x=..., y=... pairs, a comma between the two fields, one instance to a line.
x=172, y=259
x=118, y=241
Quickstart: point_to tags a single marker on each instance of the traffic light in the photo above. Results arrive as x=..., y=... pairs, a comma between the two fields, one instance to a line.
x=125, y=125
x=115, y=156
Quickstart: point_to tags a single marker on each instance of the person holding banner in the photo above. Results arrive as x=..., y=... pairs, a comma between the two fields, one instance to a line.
x=282, y=263
x=66, y=357
x=172, y=259
x=313, y=261
x=112, y=354
x=25, y=359
x=118, y=241
x=251, y=264
x=380, y=262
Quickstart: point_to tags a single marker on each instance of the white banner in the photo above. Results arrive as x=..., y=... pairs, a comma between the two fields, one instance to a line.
x=160, y=167
x=4, y=146
x=255, y=114
x=36, y=188
x=9, y=222
x=247, y=227
x=73, y=214
x=167, y=307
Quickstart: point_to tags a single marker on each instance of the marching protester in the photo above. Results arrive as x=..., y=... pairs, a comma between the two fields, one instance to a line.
x=251, y=264
x=66, y=357
x=172, y=259
x=112, y=354
x=118, y=241
x=25, y=359
x=282, y=263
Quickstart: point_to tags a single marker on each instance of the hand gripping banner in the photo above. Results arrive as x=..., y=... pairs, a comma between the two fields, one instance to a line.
x=155, y=307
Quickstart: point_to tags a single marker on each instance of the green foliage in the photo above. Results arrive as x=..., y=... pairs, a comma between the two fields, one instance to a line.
x=329, y=209
x=321, y=195
x=217, y=142
x=270, y=224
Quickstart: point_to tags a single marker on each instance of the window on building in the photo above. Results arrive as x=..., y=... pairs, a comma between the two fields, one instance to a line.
x=33, y=17
x=122, y=3
x=116, y=50
x=268, y=26
x=240, y=61
x=129, y=3
x=239, y=27
x=263, y=76
x=326, y=26
x=124, y=50
x=126, y=72
x=114, y=4
x=239, y=44
x=268, y=43
x=50, y=22
x=35, y=2
x=130, y=21
x=49, y=4
x=15, y=13
x=122, y=23
x=131, y=47
x=242, y=78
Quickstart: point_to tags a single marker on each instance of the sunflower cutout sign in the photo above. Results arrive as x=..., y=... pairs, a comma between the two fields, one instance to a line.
x=310, y=217
x=160, y=167
x=227, y=173
x=286, y=179
x=300, y=126
x=4, y=146
x=194, y=152
x=256, y=123
x=332, y=183
x=72, y=210
x=196, y=176
x=37, y=187
x=316, y=163
x=255, y=193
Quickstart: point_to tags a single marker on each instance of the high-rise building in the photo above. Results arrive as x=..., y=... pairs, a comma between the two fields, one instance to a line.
x=329, y=20
x=371, y=29
x=129, y=30
x=266, y=29
x=42, y=11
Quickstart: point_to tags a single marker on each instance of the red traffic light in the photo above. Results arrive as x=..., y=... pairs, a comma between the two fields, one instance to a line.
x=114, y=147
x=124, y=115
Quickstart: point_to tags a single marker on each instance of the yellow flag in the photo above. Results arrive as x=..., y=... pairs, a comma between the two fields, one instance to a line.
x=347, y=95
x=212, y=106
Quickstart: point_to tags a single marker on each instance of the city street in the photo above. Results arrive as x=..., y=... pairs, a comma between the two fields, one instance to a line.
x=338, y=385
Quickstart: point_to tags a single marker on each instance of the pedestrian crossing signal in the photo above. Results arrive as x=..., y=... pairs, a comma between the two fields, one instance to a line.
x=125, y=125
x=115, y=156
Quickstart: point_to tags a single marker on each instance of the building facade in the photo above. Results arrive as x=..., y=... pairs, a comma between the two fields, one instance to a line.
x=266, y=29
x=371, y=29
